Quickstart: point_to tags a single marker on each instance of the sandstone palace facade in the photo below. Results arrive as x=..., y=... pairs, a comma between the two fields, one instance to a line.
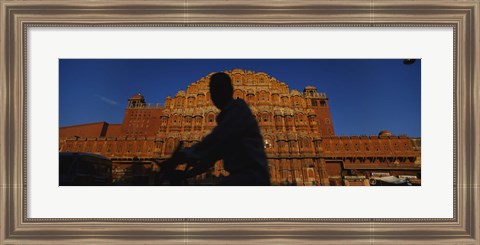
x=299, y=136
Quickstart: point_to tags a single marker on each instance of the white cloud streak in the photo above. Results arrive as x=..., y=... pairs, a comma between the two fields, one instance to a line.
x=107, y=100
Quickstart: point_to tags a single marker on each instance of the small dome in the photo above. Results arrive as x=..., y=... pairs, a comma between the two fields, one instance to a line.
x=137, y=96
x=180, y=93
x=385, y=133
x=237, y=70
x=294, y=92
x=275, y=91
x=262, y=89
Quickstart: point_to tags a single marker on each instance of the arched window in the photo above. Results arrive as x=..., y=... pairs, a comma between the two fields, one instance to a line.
x=211, y=118
x=265, y=117
x=170, y=146
x=158, y=144
x=267, y=143
x=238, y=94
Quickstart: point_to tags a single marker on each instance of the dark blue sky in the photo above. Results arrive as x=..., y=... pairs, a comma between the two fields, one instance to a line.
x=365, y=95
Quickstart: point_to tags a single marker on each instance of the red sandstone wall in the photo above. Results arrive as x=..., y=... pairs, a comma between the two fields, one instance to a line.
x=85, y=130
x=142, y=121
x=114, y=130
x=324, y=118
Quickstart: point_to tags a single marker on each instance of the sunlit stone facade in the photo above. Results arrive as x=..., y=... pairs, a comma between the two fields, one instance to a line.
x=297, y=129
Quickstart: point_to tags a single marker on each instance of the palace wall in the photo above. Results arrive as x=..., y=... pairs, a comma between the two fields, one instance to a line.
x=297, y=129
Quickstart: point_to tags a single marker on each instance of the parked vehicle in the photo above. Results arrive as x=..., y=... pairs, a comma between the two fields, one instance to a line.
x=388, y=181
x=84, y=169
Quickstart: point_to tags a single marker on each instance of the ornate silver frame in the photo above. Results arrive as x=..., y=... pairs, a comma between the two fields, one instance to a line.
x=17, y=16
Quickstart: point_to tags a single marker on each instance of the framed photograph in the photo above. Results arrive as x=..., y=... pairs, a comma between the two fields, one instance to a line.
x=77, y=78
x=302, y=135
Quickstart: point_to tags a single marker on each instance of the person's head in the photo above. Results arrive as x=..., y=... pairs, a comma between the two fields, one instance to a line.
x=221, y=89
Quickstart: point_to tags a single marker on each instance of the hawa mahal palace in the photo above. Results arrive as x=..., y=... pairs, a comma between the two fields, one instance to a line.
x=297, y=128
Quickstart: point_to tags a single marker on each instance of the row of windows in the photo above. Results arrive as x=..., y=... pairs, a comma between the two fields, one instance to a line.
x=108, y=148
x=140, y=147
x=180, y=102
x=175, y=119
x=406, y=160
x=140, y=113
x=302, y=143
x=268, y=144
x=138, y=125
x=320, y=103
x=261, y=97
x=260, y=118
x=366, y=147
x=239, y=81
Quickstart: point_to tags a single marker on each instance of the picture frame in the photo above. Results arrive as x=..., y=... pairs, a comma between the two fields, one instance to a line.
x=17, y=16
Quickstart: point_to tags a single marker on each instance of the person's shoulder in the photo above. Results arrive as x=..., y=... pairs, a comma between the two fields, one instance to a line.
x=241, y=106
x=240, y=102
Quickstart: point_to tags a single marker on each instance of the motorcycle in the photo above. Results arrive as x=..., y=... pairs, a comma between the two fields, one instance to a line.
x=168, y=174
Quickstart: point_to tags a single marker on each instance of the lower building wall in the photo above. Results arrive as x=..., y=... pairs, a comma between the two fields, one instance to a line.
x=295, y=168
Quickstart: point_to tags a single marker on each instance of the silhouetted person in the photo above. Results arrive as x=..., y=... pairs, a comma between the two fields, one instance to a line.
x=236, y=139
